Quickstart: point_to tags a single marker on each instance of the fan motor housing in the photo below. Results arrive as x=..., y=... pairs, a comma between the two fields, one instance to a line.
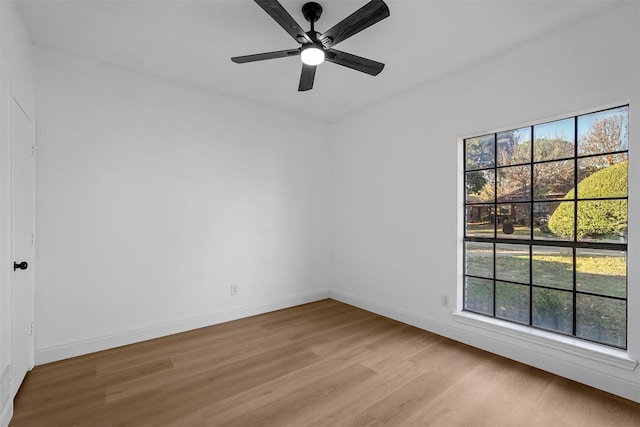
x=311, y=11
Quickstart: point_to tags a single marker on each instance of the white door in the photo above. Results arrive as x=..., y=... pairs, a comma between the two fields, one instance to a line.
x=22, y=243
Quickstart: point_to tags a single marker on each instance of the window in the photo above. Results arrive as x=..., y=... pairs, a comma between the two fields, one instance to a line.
x=545, y=238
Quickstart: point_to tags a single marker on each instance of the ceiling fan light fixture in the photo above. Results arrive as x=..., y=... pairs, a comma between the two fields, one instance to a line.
x=312, y=54
x=316, y=47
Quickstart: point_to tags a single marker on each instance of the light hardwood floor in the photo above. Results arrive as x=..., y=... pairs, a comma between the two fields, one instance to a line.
x=319, y=364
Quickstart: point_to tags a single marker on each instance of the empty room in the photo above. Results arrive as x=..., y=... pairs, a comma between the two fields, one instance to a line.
x=331, y=213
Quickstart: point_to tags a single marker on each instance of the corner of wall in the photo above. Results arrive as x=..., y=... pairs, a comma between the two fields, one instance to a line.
x=66, y=351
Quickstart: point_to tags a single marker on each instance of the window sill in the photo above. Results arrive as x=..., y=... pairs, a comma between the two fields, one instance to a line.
x=576, y=347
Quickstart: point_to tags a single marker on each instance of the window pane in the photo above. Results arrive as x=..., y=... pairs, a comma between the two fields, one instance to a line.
x=479, y=259
x=602, y=176
x=553, y=220
x=554, y=140
x=602, y=220
x=552, y=180
x=601, y=319
x=512, y=302
x=602, y=272
x=512, y=263
x=514, y=184
x=603, y=132
x=552, y=266
x=478, y=295
x=480, y=221
x=552, y=309
x=480, y=186
x=480, y=152
x=548, y=204
x=514, y=147
x=514, y=221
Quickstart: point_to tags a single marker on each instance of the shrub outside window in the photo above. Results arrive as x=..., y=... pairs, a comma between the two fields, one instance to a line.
x=545, y=237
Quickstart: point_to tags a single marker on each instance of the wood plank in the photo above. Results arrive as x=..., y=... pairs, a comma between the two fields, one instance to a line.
x=319, y=364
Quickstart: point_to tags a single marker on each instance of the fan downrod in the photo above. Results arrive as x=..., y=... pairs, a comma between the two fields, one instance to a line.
x=311, y=11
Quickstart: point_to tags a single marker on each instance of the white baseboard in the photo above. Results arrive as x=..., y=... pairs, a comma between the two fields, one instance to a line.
x=6, y=414
x=605, y=373
x=608, y=373
x=65, y=351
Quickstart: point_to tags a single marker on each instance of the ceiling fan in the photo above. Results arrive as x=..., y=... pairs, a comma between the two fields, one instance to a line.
x=317, y=47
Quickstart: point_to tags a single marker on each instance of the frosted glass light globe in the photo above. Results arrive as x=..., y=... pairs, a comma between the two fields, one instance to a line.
x=312, y=56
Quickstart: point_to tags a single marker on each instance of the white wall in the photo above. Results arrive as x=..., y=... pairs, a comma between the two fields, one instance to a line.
x=395, y=192
x=152, y=199
x=16, y=74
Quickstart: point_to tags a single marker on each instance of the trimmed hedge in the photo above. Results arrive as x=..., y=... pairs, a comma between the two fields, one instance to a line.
x=599, y=217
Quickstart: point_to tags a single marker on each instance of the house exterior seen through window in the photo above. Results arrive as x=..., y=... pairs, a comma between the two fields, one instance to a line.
x=545, y=238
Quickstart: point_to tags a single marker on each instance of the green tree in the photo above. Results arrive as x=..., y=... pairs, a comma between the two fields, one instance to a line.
x=598, y=217
x=480, y=152
x=475, y=181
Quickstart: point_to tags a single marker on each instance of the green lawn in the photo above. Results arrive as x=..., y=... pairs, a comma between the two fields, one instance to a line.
x=603, y=275
x=599, y=319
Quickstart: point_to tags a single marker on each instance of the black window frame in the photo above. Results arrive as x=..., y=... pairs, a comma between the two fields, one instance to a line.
x=572, y=246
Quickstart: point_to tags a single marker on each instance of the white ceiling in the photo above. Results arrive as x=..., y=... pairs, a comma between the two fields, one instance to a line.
x=191, y=41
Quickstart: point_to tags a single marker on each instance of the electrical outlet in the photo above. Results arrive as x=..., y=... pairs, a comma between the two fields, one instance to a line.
x=234, y=289
x=444, y=301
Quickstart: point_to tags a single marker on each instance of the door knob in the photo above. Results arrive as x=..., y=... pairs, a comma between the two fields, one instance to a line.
x=22, y=266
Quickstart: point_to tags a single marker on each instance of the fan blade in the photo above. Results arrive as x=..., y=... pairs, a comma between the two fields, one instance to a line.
x=354, y=62
x=282, y=17
x=267, y=55
x=366, y=16
x=306, y=78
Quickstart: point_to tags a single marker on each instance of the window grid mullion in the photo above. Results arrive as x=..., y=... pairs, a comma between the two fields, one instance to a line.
x=495, y=215
x=574, y=243
x=575, y=225
x=531, y=215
